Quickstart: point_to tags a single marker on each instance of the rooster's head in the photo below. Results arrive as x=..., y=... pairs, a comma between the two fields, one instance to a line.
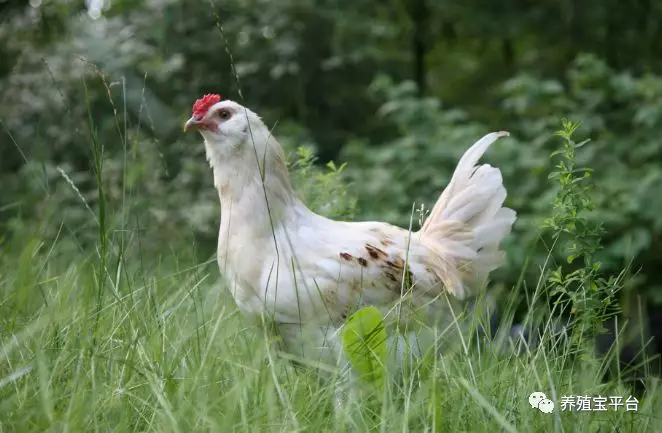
x=225, y=125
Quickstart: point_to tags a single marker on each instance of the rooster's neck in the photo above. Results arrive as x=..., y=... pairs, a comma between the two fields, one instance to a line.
x=259, y=198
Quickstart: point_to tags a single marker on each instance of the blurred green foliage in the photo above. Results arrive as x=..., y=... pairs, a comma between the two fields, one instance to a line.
x=398, y=89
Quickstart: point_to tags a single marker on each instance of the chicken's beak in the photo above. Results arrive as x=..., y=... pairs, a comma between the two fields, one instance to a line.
x=192, y=123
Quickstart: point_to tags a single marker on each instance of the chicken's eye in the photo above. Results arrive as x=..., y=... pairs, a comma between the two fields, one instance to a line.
x=224, y=114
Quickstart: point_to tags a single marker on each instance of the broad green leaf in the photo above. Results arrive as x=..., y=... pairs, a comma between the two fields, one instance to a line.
x=364, y=341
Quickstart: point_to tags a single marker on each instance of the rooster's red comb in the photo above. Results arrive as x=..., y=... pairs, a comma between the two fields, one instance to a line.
x=202, y=105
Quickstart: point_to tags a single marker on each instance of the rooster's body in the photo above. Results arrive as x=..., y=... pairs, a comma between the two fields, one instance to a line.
x=308, y=272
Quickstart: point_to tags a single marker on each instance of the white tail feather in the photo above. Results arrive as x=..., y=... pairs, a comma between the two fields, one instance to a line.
x=468, y=222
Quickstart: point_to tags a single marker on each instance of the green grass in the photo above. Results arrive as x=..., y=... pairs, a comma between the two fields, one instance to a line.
x=163, y=349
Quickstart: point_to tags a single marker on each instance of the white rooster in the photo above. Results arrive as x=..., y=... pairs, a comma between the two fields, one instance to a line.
x=308, y=272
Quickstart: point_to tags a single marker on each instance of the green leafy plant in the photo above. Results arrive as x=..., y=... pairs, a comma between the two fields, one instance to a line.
x=590, y=296
x=325, y=191
x=364, y=342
